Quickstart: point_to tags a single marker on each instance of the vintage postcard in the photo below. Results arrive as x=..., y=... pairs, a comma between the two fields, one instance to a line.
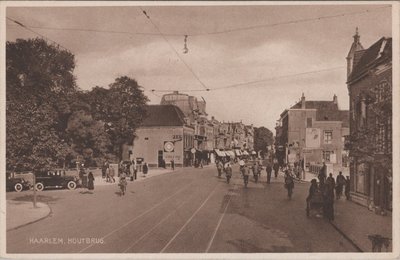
x=199, y=130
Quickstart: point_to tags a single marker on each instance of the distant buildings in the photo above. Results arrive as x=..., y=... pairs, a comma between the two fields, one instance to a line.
x=313, y=131
x=179, y=129
x=369, y=81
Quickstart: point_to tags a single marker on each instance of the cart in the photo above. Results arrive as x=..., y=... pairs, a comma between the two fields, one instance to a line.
x=315, y=204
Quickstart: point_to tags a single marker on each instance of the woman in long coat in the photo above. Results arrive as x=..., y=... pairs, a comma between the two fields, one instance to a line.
x=145, y=169
x=90, y=181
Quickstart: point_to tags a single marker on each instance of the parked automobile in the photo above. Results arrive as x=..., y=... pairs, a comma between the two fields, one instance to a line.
x=55, y=179
x=15, y=183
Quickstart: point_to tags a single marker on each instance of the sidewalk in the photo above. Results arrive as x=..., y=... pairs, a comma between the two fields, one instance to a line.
x=26, y=213
x=357, y=222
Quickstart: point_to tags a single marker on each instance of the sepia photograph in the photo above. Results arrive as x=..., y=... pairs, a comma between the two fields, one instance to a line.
x=199, y=130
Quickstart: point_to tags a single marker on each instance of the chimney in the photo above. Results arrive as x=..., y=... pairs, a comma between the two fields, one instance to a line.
x=303, y=101
x=335, y=99
x=176, y=92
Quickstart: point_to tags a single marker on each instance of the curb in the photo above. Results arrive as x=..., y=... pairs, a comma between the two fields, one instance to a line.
x=346, y=237
x=34, y=221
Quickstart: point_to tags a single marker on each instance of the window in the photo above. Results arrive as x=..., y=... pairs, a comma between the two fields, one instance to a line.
x=327, y=137
x=326, y=156
x=309, y=122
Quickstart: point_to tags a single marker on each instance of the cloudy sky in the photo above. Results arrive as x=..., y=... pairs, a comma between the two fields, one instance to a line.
x=262, y=48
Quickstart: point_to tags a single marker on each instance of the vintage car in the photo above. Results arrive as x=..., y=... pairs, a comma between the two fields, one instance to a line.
x=15, y=183
x=55, y=179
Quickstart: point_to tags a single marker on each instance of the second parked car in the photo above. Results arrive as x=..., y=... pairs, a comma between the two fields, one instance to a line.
x=55, y=179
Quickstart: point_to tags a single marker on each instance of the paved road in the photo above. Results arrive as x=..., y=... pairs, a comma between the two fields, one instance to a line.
x=188, y=211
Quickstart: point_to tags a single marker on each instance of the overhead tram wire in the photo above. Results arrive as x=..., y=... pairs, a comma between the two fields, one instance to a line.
x=172, y=47
x=287, y=22
x=36, y=33
x=206, y=33
x=256, y=81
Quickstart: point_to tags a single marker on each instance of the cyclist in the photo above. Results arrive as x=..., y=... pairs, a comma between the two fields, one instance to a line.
x=122, y=182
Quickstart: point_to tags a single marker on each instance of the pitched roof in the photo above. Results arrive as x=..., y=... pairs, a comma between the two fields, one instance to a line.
x=372, y=54
x=326, y=111
x=164, y=115
x=319, y=105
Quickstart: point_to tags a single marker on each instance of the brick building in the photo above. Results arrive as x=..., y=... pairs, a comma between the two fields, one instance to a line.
x=164, y=135
x=369, y=81
x=313, y=131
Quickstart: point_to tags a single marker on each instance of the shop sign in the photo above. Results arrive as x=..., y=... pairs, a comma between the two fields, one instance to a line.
x=168, y=146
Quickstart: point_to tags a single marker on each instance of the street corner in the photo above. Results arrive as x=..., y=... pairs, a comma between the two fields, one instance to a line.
x=22, y=213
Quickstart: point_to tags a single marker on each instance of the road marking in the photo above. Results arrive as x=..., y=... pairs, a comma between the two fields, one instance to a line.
x=159, y=223
x=188, y=221
x=220, y=221
x=144, y=213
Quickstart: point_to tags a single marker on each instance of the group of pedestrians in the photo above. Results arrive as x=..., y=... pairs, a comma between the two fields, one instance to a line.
x=86, y=180
x=328, y=187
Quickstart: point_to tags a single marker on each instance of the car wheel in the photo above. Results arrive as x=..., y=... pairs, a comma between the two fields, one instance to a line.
x=39, y=186
x=18, y=187
x=71, y=185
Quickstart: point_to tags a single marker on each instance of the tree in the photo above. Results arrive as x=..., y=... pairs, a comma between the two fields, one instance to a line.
x=39, y=79
x=121, y=108
x=262, y=138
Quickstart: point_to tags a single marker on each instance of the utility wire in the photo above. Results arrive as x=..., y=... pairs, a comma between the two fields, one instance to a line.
x=254, y=82
x=288, y=22
x=207, y=33
x=172, y=47
x=40, y=35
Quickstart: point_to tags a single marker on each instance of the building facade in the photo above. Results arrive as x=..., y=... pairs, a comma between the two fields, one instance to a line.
x=164, y=136
x=313, y=132
x=369, y=81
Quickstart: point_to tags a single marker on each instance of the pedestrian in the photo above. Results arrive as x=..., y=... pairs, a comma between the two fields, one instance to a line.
x=313, y=189
x=330, y=181
x=131, y=171
x=122, y=182
x=220, y=166
x=289, y=183
x=322, y=174
x=164, y=164
x=103, y=169
x=228, y=173
x=347, y=188
x=340, y=182
x=246, y=173
x=83, y=177
x=269, y=172
x=134, y=163
x=145, y=169
x=112, y=174
x=173, y=164
x=90, y=182
x=328, y=197
x=108, y=179
x=276, y=169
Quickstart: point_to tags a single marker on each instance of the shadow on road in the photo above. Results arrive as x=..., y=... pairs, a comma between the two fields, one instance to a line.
x=86, y=192
x=39, y=198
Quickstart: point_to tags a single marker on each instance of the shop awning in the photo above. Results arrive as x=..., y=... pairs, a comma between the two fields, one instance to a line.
x=220, y=153
x=230, y=153
x=238, y=153
x=245, y=153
